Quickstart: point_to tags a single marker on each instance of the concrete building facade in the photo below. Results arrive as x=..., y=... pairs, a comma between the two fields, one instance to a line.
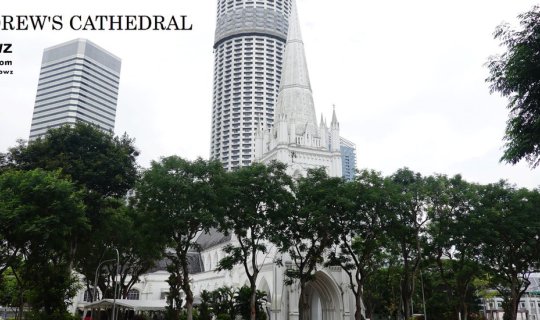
x=248, y=56
x=78, y=81
x=528, y=307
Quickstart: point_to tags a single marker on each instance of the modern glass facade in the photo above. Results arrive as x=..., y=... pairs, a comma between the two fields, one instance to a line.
x=248, y=56
x=78, y=81
x=348, y=159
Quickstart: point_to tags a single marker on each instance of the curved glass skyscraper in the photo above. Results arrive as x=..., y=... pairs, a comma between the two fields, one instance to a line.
x=248, y=55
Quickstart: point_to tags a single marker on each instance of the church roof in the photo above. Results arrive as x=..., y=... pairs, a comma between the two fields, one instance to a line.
x=211, y=238
x=295, y=98
x=205, y=241
x=194, y=263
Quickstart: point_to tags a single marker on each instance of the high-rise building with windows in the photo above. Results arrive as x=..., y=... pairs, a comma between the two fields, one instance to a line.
x=348, y=159
x=248, y=56
x=78, y=81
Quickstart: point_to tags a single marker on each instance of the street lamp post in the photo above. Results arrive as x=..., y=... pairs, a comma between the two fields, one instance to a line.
x=95, y=278
x=94, y=294
x=115, y=284
x=424, y=297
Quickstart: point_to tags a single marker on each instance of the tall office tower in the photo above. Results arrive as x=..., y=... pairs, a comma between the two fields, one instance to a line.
x=348, y=159
x=78, y=81
x=248, y=55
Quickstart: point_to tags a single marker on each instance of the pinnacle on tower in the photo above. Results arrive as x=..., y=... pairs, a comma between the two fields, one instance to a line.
x=259, y=131
x=334, y=119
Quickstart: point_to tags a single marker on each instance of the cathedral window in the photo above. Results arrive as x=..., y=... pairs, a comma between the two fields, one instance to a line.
x=88, y=294
x=133, y=294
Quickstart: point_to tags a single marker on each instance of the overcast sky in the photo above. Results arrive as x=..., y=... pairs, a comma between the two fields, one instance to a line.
x=407, y=79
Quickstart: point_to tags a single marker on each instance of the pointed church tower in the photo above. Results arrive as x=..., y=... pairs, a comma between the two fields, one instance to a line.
x=259, y=140
x=334, y=132
x=335, y=144
x=295, y=98
x=324, y=132
x=295, y=138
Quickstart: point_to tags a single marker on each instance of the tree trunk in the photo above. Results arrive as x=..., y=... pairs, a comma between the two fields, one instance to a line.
x=253, y=302
x=189, y=306
x=189, y=294
x=515, y=295
x=406, y=294
x=21, y=295
x=515, y=305
x=358, y=300
x=301, y=301
x=405, y=298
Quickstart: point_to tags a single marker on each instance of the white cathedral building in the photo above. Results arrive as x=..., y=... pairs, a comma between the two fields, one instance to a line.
x=296, y=140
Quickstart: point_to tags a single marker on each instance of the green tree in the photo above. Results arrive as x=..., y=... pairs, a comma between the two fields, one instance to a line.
x=453, y=243
x=102, y=166
x=361, y=233
x=140, y=245
x=11, y=294
x=306, y=231
x=98, y=161
x=222, y=303
x=205, y=312
x=407, y=200
x=516, y=74
x=181, y=198
x=257, y=193
x=440, y=304
x=510, y=229
x=242, y=303
x=39, y=215
x=382, y=292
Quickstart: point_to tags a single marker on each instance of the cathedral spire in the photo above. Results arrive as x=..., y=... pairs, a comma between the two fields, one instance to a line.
x=295, y=98
x=259, y=129
x=335, y=139
x=334, y=118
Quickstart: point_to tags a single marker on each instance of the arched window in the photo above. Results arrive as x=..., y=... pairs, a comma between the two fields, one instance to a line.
x=216, y=260
x=133, y=294
x=88, y=294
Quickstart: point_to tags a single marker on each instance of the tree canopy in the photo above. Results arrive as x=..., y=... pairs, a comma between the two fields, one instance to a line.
x=97, y=160
x=181, y=198
x=101, y=169
x=307, y=230
x=257, y=194
x=361, y=236
x=516, y=74
x=40, y=215
x=401, y=239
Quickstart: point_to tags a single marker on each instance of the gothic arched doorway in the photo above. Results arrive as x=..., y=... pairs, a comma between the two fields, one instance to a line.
x=324, y=298
x=267, y=305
